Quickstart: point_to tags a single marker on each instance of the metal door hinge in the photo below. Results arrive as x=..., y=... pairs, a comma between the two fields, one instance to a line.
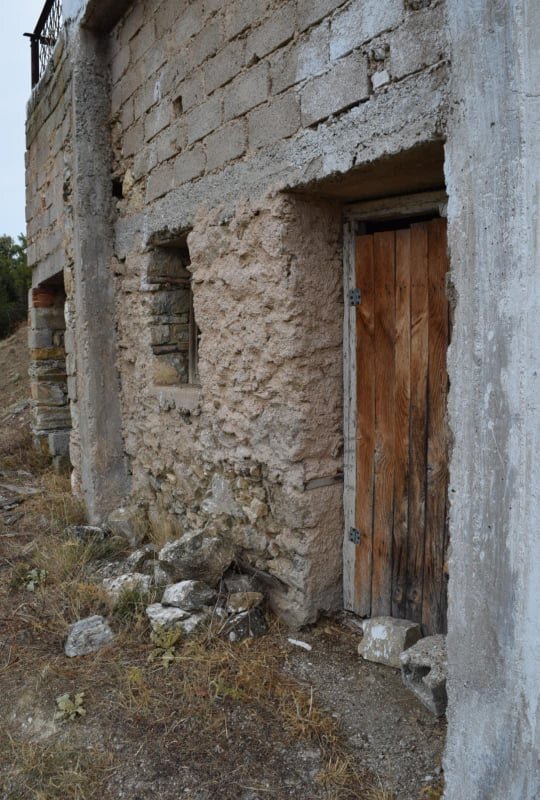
x=354, y=535
x=355, y=297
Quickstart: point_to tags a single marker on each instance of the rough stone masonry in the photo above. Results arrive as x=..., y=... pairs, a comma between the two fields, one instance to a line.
x=188, y=167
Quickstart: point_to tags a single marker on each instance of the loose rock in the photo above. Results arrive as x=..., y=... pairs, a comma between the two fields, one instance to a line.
x=424, y=669
x=86, y=533
x=243, y=601
x=129, y=522
x=189, y=595
x=144, y=558
x=130, y=581
x=385, y=638
x=247, y=625
x=87, y=636
x=165, y=617
x=197, y=556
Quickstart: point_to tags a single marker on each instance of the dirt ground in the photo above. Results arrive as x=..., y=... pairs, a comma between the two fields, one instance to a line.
x=198, y=719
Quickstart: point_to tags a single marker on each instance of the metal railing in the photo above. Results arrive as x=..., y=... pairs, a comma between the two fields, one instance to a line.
x=44, y=37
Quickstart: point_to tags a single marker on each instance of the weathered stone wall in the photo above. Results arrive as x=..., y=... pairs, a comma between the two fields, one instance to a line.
x=212, y=104
x=268, y=416
x=49, y=188
x=214, y=107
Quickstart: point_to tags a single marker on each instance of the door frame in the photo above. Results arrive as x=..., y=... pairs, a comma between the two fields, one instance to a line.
x=356, y=215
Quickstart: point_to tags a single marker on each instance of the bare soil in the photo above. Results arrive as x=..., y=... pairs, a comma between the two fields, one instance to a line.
x=256, y=720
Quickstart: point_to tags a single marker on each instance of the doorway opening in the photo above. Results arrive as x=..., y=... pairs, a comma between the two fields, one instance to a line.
x=397, y=332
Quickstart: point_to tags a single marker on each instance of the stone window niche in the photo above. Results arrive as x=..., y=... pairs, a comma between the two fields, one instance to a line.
x=48, y=376
x=174, y=332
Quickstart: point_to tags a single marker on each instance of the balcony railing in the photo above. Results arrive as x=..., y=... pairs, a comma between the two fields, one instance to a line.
x=44, y=37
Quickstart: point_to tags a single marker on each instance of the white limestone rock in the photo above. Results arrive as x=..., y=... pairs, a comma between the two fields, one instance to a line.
x=87, y=636
x=165, y=617
x=189, y=595
x=424, y=669
x=130, y=581
x=385, y=638
x=197, y=556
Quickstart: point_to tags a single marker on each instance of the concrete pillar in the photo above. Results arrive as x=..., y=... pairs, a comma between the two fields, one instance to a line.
x=103, y=465
x=492, y=159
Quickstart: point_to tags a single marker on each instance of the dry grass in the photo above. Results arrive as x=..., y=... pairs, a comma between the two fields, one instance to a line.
x=52, y=771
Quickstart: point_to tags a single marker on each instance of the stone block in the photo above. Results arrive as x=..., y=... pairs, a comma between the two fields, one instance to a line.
x=272, y=33
x=225, y=65
x=143, y=40
x=59, y=443
x=278, y=120
x=160, y=182
x=247, y=91
x=48, y=394
x=206, y=42
x=38, y=339
x=189, y=595
x=360, y=22
x=424, y=669
x=157, y=119
x=197, y=556
x=51, y=418
x=189, y=165
x=419, y=42
x=242, y=14
x=204, y=119
x=87, y=636
x=311, y=11
x=226, y=144
x=385, y=638
x=344, y=85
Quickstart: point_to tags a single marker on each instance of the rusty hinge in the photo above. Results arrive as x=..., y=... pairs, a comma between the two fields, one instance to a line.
x=355, y=297
x=354, y=535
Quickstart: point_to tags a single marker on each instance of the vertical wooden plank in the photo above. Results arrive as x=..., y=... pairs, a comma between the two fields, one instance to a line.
x=418, y=420
x=349, y=402
x=433, y=612
x=365, y=427
x=402, y=407
x=384, y=286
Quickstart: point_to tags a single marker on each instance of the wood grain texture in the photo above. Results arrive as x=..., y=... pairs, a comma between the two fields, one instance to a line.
x=365, y=392
x=433, y=611
x=402, y=410
x=418, y=420
x=384, y=283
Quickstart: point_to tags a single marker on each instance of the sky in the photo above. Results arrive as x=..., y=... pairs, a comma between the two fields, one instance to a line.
x=17, y=18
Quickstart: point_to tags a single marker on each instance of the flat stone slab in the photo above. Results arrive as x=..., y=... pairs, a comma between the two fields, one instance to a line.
x=385, y=638
x=424, y=669
x=189, y=595
x=87, y=636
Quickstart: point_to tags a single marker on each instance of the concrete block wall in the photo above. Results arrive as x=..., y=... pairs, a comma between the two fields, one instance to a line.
x=199, y=86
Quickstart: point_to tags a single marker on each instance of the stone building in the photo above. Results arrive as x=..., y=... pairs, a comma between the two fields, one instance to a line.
x=255, y=227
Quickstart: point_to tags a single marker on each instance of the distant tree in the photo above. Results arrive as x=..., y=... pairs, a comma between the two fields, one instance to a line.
x=15, y=277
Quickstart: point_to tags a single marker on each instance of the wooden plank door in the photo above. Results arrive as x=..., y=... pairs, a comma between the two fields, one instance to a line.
x=402, y=333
